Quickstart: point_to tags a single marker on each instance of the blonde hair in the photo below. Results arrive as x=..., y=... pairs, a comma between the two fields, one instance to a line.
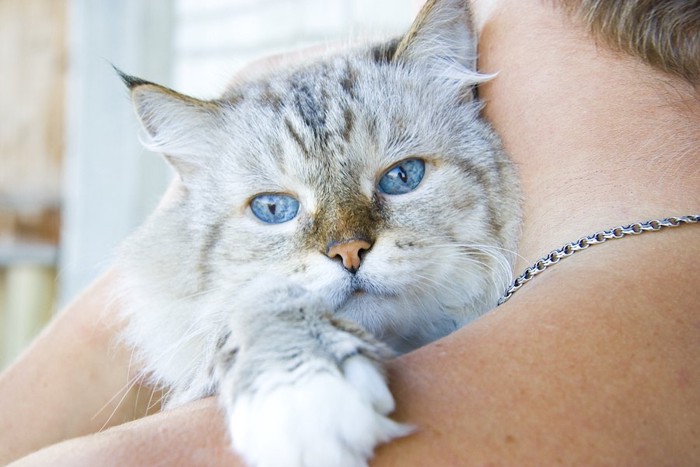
x=663, y=33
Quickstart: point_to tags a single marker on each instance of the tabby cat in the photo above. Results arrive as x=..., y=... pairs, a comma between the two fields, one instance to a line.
x=329, y=215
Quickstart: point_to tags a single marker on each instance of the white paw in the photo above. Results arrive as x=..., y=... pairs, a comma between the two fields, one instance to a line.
x=321, y=419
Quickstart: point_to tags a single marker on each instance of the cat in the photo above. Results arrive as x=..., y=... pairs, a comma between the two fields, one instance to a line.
x=330, y=214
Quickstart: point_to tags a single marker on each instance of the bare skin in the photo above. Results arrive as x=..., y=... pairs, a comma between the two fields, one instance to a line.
x=595, y=362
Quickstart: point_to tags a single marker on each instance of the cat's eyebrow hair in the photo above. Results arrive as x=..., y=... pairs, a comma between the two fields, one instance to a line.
x=312, y=110
x=297, y=137
x=348, y=80
x=348, y=125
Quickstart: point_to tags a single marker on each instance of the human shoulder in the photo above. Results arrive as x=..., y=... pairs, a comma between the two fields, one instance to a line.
x=584, y=366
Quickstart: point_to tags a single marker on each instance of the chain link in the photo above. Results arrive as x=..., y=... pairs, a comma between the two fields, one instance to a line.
x=585, y=242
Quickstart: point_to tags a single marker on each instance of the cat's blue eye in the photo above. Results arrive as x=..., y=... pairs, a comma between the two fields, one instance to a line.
x=402, y=178
x=274, y=208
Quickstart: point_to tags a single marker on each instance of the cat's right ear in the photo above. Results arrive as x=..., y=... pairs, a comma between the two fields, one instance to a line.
x=443, y=39
x=176, y=125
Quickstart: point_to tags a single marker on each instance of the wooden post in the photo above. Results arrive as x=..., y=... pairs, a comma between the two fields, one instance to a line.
x=33, y=61
x=29, y=298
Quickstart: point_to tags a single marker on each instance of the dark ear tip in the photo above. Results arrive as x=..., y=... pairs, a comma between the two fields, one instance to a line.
x=130, y=81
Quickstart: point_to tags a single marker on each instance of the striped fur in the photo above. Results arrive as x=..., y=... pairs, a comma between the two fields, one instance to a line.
x=221, y=302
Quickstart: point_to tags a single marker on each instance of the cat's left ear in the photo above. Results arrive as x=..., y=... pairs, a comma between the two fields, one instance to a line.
x=442, y=37
x=176, y=125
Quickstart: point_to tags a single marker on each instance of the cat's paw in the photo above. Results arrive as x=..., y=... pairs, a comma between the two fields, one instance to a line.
x=323, y=418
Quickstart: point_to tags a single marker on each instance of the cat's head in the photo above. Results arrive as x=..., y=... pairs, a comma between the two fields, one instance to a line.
x=365, y=175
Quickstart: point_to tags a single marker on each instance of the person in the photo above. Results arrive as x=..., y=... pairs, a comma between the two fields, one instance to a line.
x=595, y=361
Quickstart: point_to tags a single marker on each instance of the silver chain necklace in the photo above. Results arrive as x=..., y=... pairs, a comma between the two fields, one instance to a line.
x=583, y=243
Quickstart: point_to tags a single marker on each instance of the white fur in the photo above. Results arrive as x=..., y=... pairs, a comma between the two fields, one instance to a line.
x=325, y=419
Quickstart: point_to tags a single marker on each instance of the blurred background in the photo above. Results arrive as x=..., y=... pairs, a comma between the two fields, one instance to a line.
x=74, y=180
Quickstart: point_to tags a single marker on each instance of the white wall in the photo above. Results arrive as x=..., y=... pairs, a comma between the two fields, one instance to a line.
x=110, y=183
x=194, y=46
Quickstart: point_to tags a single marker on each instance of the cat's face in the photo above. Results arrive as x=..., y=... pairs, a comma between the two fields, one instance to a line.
x=364, y=177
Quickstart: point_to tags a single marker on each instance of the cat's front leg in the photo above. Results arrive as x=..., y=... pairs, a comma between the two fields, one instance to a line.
x=301, y=388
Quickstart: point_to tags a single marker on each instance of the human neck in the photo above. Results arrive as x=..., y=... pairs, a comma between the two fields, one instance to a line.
x=599, y=139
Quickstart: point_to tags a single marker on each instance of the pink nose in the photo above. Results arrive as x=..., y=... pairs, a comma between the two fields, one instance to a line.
x=349, y=253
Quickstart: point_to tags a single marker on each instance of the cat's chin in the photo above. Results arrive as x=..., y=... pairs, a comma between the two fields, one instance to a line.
x=401, y=323
x=359, y=304
x=357, y=293
x=376, y=313
x=361, y=300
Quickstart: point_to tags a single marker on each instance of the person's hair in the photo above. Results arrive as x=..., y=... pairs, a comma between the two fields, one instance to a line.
x=663, y=33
